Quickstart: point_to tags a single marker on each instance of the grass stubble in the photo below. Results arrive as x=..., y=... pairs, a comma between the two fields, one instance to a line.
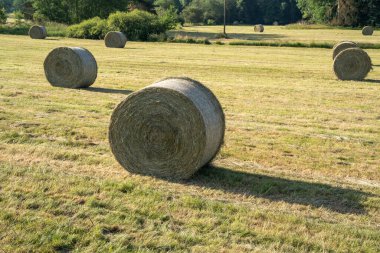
x=299, y=170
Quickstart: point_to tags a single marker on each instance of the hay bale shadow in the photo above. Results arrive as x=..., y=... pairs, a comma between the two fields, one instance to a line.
x=371, y=81
x=108, y=90
x=242, y=36
x=337, y=199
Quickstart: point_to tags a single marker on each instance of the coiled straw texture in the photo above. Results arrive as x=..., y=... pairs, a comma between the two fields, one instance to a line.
x=352, y=64
x=367, y=30
x=169, y=129
x=115, y=40
x=38, y=32
x=259, y=28
x=71, y=67
x=339, y=47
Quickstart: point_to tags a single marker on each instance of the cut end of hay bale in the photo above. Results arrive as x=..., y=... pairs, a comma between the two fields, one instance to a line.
x=352, y=64
x=367, y=30
x=339, y=47
x=70, y=67
x=259, y=28
x=115, y=40
x=38, y=32
x=169, y=129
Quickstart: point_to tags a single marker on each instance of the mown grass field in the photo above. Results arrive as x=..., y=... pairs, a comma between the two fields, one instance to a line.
x=299, y=170
x=280, y=34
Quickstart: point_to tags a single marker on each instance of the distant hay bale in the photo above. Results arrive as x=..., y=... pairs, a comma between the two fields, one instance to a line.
x=115, y=40
x=70, y=67
x=352, y=64
x=367, y=30
x=38, y=32
x=169, y=129
x=339, y=47
x=259, y=28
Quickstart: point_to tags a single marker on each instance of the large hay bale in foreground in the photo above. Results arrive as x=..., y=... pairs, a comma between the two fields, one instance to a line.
x=339, y=47
x=115, y=40
x=352, y=64
x=71, y=67
x=259, y=28
x=367, y=30
x=38, y=32
x=169, y=129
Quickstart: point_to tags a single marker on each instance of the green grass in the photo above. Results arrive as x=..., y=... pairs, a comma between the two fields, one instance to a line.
x=296, y=44
x=281, y=44
x=294, y=35
x=54, y=29
x=189, y=41
x=300, y=26
x=319, y=36
x=299, y=170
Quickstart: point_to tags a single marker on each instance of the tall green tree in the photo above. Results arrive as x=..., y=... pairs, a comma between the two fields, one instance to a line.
x=74, y=11
x=167, y=4
x=341, y=12
x=25, y=7
x=317, y=10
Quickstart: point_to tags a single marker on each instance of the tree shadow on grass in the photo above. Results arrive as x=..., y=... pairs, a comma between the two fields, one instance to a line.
x=108, y=90
x=242, y=36
x=341, y=200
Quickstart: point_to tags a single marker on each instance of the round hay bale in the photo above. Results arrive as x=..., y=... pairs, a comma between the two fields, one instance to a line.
x=367, y=30
x=169, y=129
x=115, y=40
x=38, y=32
x=352, y=64
x=259, y=28
x=71, y=67
x=339, y=47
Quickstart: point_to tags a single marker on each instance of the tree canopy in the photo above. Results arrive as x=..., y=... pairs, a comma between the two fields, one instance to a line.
x=335, y=12
x=341, y=12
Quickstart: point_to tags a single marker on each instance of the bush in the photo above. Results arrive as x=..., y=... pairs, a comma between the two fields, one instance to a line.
x=158, y=37
x=137, y=24
x=95, y=28
x=211, y=22
x=15, y=30
x=55, y=29
x=3, y=16
x=168, y=18
x=19, y=16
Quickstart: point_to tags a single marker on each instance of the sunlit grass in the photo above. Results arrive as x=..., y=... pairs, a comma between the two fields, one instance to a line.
x=299, y=170
x=280, y=34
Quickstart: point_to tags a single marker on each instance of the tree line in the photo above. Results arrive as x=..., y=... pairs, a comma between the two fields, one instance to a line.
x=335, y=12
x=341, y=12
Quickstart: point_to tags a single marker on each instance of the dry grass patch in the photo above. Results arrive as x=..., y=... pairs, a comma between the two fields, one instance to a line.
x=299, y=170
